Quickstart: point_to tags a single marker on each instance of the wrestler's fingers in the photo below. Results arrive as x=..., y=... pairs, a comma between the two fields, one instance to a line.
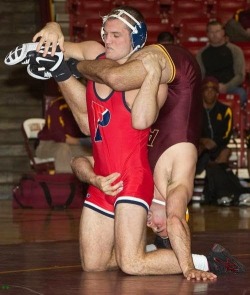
x=42, y=42
x=49, y=47
x=37, y=35
x=54, y=45
x=117, y=186
x=60, y=43
x=116, y=192
x=113, y=176
x=199, y=275
x=109, y=187
x=113, y=190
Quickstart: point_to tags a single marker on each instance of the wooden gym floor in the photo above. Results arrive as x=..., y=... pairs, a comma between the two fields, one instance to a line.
x=39, y=255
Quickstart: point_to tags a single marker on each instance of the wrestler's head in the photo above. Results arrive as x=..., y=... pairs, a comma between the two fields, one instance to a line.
x=157, y=219
x=123, y=32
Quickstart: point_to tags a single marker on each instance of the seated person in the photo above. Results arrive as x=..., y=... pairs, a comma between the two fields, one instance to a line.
x=61, y=137
x=223, y=60
x=216, y=127
x=238, y=27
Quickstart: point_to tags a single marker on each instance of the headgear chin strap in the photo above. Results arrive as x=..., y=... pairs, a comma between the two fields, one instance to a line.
x=139, y=29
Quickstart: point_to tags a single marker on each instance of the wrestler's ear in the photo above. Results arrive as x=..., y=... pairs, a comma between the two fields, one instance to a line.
x=149, y=218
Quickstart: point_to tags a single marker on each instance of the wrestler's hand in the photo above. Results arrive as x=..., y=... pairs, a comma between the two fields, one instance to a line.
x=199, y=275
x=152, y=61
x=105, y=184
x=50, y=35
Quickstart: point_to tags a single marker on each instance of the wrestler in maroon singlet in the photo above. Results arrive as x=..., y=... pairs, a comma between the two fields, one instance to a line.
x=179, y=119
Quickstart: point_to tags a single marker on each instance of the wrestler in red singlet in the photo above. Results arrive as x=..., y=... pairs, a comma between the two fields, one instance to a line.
x=117, y=147
x=179, y=119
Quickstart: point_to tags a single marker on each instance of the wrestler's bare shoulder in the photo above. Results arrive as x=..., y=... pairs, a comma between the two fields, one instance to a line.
x=84, y=50
x=169, y=70
x=150, y=48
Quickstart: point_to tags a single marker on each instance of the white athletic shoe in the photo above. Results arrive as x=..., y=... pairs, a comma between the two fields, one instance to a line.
x=19, y=54
x=244, y=200
x=26, y=54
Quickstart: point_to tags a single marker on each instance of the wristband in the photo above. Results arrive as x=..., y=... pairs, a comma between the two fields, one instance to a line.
x=72, y=64
x=62, y=73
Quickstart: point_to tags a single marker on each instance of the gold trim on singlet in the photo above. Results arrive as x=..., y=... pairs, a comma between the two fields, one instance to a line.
x=170, y=61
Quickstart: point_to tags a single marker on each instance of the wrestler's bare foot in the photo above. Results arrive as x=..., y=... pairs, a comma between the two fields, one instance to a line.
x=199, y=275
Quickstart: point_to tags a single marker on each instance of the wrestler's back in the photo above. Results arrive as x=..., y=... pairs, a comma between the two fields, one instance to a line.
x=180, y=117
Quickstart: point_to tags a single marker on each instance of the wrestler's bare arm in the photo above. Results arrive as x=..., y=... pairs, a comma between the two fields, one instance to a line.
x=127, y=76
x=83, y=169
x=51, y=35
x=179, y=190
x=151, y=96
x=119, y=77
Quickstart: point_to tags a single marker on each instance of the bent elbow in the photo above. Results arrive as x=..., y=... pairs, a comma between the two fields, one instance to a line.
x=85, y=131
x=140, y=124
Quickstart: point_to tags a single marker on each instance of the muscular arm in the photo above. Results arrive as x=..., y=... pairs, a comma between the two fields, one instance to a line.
x=83, y=169
x=51, y=35
x=151, y=95
x=127, y=76
x=119, y=77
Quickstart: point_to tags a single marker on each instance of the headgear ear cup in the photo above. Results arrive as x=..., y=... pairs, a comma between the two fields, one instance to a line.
x=139, y=35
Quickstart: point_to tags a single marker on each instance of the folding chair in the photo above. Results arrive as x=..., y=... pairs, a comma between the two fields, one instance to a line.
x=30, y=130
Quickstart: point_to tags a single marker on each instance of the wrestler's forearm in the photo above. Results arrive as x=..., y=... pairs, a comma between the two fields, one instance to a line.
x=145, y=107
x=84, y=171
x=83, y=168
x=119, y=77
x=179, y=236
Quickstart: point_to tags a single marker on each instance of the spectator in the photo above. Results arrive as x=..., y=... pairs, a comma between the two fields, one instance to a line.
x=238, y=27
x=61, y=137
x=216, y=127
x=165, y=38
x=224, y=61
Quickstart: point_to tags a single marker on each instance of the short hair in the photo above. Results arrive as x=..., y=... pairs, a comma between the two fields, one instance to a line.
x=165, y=38
x=214, y=22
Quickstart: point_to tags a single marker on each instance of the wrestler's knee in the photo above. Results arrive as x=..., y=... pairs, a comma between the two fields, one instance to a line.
x=90, y=265
x=130, y=264
x=92, y=261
